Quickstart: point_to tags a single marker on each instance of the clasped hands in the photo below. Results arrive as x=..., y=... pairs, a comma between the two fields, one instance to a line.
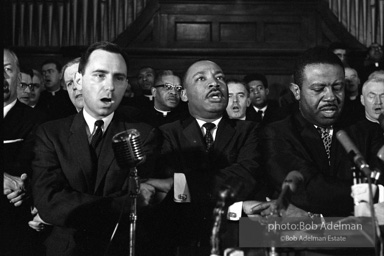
x=14, y=188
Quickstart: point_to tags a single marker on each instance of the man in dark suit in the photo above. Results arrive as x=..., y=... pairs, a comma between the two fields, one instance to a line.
x=78, y=187
x=306, y=141
x=202, y=153
x=262, y=111
x=19, y=125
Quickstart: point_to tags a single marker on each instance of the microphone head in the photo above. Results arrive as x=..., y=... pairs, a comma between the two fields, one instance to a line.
x=380, y=154
x=128, y=148
x=344, y=140
x=293, y=180
x=230, y=189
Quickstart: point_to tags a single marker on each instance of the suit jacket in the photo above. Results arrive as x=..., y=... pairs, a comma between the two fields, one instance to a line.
x=273, y=113
x=56, y=106
x=83, y=205
x=19, y=127
x=295, y=144
x=233, y=156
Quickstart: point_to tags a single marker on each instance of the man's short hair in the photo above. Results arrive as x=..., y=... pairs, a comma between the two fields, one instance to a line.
x=237, y=81
x=102, y=45
x=68, y=64
x=376, y=73
x=26, y=70
x=315, y=55
x=161, y=73
x=256, y=77
x=337, y=45
x=372, y=80
x=13, y=54
x=53, y=61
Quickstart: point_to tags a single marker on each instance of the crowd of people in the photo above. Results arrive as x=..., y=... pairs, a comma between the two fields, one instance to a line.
x=202, y=132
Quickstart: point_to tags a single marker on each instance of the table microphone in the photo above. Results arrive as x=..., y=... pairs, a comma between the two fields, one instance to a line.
x=289, y=186
x=353, y=152
x=380, y=154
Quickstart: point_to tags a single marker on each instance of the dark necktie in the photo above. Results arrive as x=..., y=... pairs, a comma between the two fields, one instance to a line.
x=327, y=140
x=208, y=135
x=96, y=138
x=259, y=115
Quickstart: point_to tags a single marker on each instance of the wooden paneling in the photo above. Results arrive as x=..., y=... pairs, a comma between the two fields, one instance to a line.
x=193, y=32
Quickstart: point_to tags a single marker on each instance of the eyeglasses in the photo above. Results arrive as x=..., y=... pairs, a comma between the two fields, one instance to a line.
x=32, y=87
x=169, y=87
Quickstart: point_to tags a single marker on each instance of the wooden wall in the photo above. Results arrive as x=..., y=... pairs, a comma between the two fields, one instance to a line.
x=241, y=36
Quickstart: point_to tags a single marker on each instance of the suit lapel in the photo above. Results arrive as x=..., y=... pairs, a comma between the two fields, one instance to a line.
x=78, y=142
x=312, y=140
x=224, y=135
x=107, y=156
x=192, y=132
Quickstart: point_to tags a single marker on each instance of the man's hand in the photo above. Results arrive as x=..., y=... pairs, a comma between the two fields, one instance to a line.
x=161, y=185
x=14, y=188
x=147, y=193
x=37, y=223
x=260, y=208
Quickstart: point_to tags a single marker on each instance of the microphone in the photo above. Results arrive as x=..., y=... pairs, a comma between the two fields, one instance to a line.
x=128, y=151
x=230, y=189
x=353, y=152
x=381, y=120
x=380, y=153
x=290, y=185
x=128, y=148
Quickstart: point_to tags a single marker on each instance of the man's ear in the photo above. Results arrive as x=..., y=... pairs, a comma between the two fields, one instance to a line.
x=248, y=102
x=78, y=79
x=266, y=91
x=184, y=96
x=153, y=90
x=362, y=100
x=295, y=89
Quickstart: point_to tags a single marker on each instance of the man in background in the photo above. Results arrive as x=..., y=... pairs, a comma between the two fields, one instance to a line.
x=262, y=110
x=353, y=111
x=373, y=98
x=238, y=99
x=166, y=93
x=68, y=78
x=54, y=98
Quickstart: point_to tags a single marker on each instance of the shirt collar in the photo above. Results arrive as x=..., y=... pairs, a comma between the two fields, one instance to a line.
x=201, y=122
x=8, y=107
x=91, y=121
x=262, y=109
x=165, y=113
x=329, y=129
x=371, y=119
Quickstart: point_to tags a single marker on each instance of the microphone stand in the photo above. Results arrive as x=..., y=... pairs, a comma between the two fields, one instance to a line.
x=134, y=190
x=218, y=212
x=376, y=232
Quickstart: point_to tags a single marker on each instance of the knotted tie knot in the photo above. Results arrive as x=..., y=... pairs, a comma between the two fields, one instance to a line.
x=208, y=134
x=327, y=139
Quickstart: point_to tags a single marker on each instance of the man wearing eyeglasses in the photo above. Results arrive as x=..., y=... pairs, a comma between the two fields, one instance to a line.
x=30, y=87
x=166, y=93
